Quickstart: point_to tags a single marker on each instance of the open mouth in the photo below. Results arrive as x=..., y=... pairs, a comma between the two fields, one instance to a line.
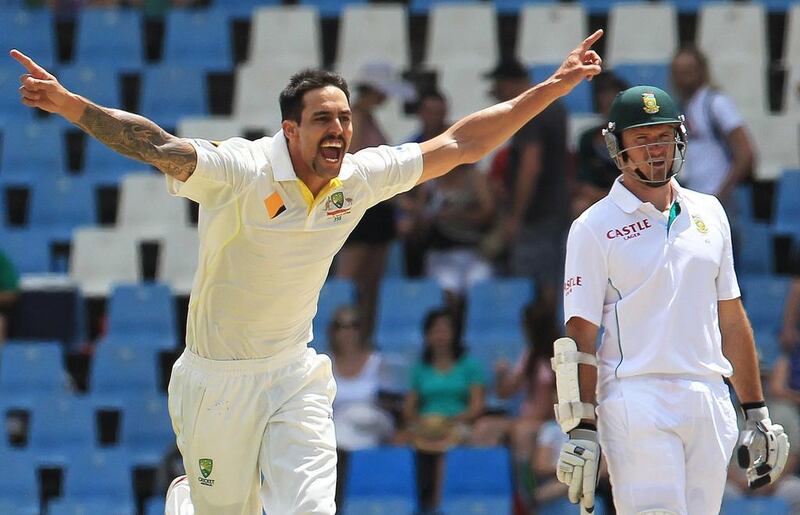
x=331, y=150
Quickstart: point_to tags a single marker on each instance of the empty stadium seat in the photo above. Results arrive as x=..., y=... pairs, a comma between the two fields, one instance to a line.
x=628, y=43
x=243, y=10
x=20, y=482
x=403, y=304
x=110, y=39
x=154, y=506
x=177, y=260
x=755, y=254
x=733, y=31
x=28, y=249
x=378, y=506
x=143, y=314
x=123, y=371
x=467, y=89
x=764, y=298
x=654, y=74
x=450, y=46
x=198, y=39
x=334, y=294
x=71, y=506
x=147, y=209
x=791, y=88
x=101, y=476
x=285, y=37
x=746, y=84
x=776, y=139
x=171, y=91
x=791, y=43
x=98, y=84
x=602, y=7
x=787, y=207
x=61, y=428
x=372, y=32
x=256, y=91
x=19, y=507
x=101, y=258
x=34, y=149
x=368, y=482
x=495, y=306
x=148, y=442
x=479, y=505
x=579, y=100
x=11, y=108
x=331, y=8
x=756, y=506
x=31, y=31
x=548, y=32
x=61, y=205
x=477, y=475
x=32, y=368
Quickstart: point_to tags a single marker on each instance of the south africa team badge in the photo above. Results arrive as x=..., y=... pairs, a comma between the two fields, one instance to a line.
x=700, y=224
x=650, y=104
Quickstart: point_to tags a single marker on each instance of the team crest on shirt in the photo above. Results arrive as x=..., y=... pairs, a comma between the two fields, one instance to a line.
x=650, y=104
x=700, y=224
x=337, y=205
x=206, y=466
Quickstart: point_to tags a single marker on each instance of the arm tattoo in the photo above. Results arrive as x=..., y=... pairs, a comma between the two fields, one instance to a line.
x=138, y=138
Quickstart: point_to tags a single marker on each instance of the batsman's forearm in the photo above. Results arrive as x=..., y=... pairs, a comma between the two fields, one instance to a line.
x=480, y=133
x=137, y=137
x=739, y=347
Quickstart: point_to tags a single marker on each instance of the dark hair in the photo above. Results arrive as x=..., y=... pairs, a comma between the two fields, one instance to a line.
x=431, y=318
x=431, y=93
x=698, y=55
x=302, y=82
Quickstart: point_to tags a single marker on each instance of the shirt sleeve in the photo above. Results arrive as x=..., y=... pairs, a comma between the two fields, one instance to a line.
x=223, y=171
x=390, y=170
x=725, y=113
x=585, y=276
x=727, y=284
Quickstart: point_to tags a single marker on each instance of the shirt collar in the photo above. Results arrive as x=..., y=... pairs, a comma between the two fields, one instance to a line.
x=282, y=168
x=628, y=202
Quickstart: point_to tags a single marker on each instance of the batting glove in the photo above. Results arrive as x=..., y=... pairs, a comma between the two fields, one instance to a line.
x=763, y=448
x=578, y=466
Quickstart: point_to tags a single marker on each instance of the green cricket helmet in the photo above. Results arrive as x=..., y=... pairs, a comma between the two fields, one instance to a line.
x=641, y=106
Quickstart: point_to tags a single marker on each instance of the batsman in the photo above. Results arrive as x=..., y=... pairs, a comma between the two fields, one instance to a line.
x=652, y=264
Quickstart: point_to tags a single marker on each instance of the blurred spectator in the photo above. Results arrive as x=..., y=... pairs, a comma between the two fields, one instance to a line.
x=721, y=154
x=596, y=170
x=790, y=333
x=535, y=183
x=363, y=257
x=784, y=383
x=445, y=399
x=432, y=114
x=9, y=288
x=453, y=222
x=359, y=420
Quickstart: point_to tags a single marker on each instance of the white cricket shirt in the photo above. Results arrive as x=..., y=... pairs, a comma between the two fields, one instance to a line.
x=653, y=286
x=266, y=244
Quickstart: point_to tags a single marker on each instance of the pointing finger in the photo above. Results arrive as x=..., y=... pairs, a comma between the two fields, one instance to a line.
x=29, y=64
x=591, y=40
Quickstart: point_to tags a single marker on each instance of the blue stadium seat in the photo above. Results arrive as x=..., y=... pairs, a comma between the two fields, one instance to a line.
x=495, y=307
x=578, y=101
x=402, y=309
x=124, y=370
x=515, y=6
x=105, y=166
x=71, y=506
x=154, y=506
x=787, y=208
x=11, y=108
x=98, y=84
x=755, y=249
x=101, y=476
x=61, y=205
x=20, y=482
x=478, y=505
x=763, y=298
x=369, y=484
x=198, y=39
x=334, y=293
x=331, y=8
x=31, y=31
x=395, y=261
x=19, y=507
x=423, y=6
x=34, y=149
x=378, y=506
x=149, y=441
x=170, y=92
x=243, y=9
x=28, y=249
x=743, y=203
x=477, y=472
x=32, y=367
x=562, y=506
x=61, y=428
x=110, y=39
x=756, y=506
x=652, y=74
x=143, y=314
x=601, y=6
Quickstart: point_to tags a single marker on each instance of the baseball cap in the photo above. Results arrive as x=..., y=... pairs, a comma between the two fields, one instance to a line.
x=508, y=68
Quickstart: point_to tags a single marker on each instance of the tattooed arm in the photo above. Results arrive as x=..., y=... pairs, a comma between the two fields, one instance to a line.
x=128, y=134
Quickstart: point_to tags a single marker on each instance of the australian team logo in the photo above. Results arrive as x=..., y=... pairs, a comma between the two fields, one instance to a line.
x=337, y=205
x=700, y=224
x=206, y=466
x=650, y=104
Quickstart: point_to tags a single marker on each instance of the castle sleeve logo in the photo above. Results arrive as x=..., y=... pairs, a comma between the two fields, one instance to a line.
x=206, y=467
x=650, y=103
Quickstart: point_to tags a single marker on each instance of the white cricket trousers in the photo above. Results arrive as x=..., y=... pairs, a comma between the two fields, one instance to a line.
x=668, y=442
x=239, y=421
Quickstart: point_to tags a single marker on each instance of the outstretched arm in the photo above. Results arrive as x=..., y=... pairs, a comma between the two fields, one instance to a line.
x=474, y=136
x=128, y=134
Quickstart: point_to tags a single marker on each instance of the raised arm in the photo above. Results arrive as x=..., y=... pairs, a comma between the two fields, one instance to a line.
x=128, y=134
x=474, y=136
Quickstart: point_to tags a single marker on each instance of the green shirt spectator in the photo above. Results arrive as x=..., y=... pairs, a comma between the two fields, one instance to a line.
x=446, y=393
x=9, y=279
